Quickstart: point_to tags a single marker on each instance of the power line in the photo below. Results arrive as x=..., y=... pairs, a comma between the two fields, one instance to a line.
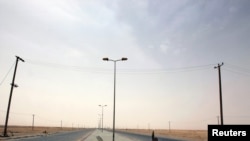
x=7, y=74
x=237, y=69
x=125, y=71
x=237, y=72
x=240, y=68
x=171, y=70
x=69, y=67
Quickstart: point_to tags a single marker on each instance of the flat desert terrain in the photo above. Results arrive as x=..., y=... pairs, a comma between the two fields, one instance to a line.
x=189, y=135
x=26, y=130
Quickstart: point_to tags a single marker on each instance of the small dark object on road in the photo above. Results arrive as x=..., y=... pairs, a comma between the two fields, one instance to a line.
x=153, y=137
x=45, y=132
x=99, y=138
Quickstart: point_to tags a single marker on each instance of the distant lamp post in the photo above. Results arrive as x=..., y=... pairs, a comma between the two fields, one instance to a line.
x=102, y=106
x=99, y=121
x=107, y=59
x=11, y=90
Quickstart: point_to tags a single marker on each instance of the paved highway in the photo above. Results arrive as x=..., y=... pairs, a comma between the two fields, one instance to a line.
x=79, y=135
x=140, y=137
x=94, y=135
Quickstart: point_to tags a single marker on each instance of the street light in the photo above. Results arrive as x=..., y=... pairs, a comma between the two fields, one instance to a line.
x=107, y=59
x=102, y=114
x=99, y=121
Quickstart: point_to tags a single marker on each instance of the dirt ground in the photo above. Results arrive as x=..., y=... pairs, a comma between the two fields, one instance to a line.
x=20, y=130
x=188, y=135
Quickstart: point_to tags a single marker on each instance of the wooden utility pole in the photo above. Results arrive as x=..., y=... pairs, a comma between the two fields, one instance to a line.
x=33, y=122
x=11, y=90
x=169, y=126
x=220, y=90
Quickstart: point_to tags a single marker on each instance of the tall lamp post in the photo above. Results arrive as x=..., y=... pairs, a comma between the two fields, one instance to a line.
x=102, y=114
x=107, y=59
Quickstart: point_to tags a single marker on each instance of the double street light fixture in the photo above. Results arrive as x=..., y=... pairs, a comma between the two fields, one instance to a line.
x=107, y=59
x=102, y=114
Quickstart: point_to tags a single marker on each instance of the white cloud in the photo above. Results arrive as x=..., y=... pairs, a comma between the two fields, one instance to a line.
x=152, y=34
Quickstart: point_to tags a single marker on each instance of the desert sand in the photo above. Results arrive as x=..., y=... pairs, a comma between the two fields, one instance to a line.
x=188, y=135
x=26, y=130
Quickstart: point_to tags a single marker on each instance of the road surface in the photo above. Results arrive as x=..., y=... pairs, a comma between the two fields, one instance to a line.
x=140, y=137
x=79, y=135
x=93, y=135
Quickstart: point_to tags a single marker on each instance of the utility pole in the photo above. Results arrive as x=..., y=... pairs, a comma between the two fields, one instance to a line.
x=11, y=90
x=221, y=109
x=61, y=124
x=33, y=122
x=102, y=114
x=169, y=126
x=218, y=120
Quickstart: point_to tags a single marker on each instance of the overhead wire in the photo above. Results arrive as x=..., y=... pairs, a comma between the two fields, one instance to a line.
x=7, y=74
x=171, y=70
x=237, y=72
x=240, y=68
x=125, y=71
x=68, y=67
x=237, y=69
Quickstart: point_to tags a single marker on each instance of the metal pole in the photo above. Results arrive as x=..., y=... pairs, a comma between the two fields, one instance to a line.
x=102, y=118
x=11, y=90
x=169, y=126
x=33, y=122
x=114, y=101
x=107, y=59
x=218, y=120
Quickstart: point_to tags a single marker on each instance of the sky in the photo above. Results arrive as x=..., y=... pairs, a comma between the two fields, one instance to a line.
x=169, y=78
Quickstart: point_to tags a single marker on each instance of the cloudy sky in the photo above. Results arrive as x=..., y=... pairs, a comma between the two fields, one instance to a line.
x=172, y=47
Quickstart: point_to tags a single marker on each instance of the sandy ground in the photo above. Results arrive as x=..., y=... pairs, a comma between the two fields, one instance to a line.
x=20, y=130
x=189, y=135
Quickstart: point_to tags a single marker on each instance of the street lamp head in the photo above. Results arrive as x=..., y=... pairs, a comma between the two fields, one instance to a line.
x=105, y=59
x=124, y=58
x=102, y=105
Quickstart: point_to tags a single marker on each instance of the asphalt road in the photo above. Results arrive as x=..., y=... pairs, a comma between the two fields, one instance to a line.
x=140, y=137
x=81, y=135
x=64, y=136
